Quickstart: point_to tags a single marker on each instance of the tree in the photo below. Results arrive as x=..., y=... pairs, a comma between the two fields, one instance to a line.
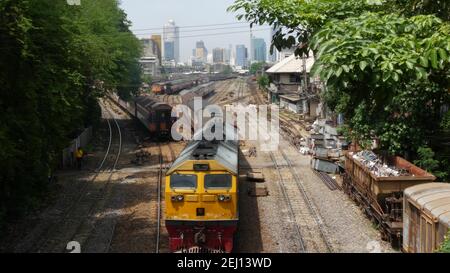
x=256, y=67
x=263, y=81
x=301, y=18
x=382, y=71
x=56, y=61
x=385, y=64
x=445, y=247
x=428, y=162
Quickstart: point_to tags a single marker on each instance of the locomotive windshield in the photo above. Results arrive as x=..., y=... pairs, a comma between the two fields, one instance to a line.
x=183, y=181
x=217, y=181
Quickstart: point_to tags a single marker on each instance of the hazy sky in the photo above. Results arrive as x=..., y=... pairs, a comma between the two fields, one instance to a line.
x=151, y=15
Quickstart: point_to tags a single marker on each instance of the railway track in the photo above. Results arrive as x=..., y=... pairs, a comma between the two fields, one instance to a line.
x=73, y=224
x=311, y=210
x=163, y=165
x=292, y=215
x=158, y=190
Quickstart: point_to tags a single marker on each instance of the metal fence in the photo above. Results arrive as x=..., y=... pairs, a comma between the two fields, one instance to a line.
x=68, y=154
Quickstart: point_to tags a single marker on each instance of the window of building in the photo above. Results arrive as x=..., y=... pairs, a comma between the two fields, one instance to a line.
x=294, y=78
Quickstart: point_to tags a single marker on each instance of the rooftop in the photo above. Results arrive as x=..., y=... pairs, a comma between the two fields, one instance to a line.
x=292, y=64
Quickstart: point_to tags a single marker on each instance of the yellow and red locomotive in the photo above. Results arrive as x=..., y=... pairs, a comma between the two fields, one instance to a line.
x=201, y=195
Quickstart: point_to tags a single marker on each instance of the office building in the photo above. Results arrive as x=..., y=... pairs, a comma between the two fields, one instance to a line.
x=171, y=36
x=241, y=56
x=258, y=50
x=157, y=46
x=218, y=55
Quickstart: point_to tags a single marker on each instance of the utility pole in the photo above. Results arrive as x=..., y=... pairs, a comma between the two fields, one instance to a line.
x=305, y=74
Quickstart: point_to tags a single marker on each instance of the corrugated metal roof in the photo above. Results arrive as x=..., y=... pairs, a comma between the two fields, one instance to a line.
x=433, y=198
x=225, y=155
x=150, y=103
x=292, y=64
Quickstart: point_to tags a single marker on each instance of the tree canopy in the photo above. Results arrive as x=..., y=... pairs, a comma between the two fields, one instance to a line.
x=385, y=64
x=55, y=62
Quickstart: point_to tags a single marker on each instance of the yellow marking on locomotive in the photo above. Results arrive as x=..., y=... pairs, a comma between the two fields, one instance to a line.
x=207, y=200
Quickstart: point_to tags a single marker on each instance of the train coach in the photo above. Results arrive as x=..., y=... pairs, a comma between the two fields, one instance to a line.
x=175, y=86
x=426, y=217
x=154, y=115
x=379, y=193
x=201, y=195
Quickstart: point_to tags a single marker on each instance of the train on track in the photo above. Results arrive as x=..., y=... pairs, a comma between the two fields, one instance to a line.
x=426, y=217
x=155, y=111
x=154, y=115
x=201, y=196
x=175, y=86
x=380, y=195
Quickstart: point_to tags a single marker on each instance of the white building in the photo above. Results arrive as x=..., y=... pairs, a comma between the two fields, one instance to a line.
x=150, y=66
x=292, y=86
x=171, y=36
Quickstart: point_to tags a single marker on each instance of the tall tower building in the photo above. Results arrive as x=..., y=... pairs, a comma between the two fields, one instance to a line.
x=157, y=46
x=274, y=57
x=258, y=50
x=241, y=56
x=171, y=36
x=201, y=53
x=218, y=55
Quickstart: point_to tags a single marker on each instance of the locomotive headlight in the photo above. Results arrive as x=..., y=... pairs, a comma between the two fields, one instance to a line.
x=177, y=198
x=224, y=198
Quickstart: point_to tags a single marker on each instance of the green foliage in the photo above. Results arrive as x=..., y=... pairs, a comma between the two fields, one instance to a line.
x=445, y=247
x=385, y=63
x=440, y=8
x=302, y=18
x=445, y=124
x=147, y=79
x=55, y=62
x=428, y=162
x=256, y=67
x=392, y=67
x=263, y=81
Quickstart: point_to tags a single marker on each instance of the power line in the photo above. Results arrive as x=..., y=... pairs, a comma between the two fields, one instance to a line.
x=219, y=33
x=193, y=26
x=194, y=30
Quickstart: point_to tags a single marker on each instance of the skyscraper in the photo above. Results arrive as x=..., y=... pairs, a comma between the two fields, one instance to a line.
x=171, y=35
x=157, y=46
x=258, y=50
x=275, y=54
x=241, y=56
x=218, y=55
x=201, y=53
x=169, y=50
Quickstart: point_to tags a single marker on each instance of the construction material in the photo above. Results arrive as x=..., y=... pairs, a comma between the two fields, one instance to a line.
x=255, y=176
x=323, y=165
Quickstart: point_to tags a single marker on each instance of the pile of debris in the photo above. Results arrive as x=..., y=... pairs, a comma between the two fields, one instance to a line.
x=376, y=165
x=326, y=147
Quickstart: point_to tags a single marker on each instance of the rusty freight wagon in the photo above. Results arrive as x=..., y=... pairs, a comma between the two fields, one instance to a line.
x=377, y=183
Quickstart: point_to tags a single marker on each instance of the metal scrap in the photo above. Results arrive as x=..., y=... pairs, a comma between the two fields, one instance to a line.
x=376, y=166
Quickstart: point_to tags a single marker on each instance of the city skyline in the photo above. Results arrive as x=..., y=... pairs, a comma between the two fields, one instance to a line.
x=148, y=18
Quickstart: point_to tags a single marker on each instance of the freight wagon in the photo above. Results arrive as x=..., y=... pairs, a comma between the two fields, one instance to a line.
x=426, y=217
x=380, y=193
